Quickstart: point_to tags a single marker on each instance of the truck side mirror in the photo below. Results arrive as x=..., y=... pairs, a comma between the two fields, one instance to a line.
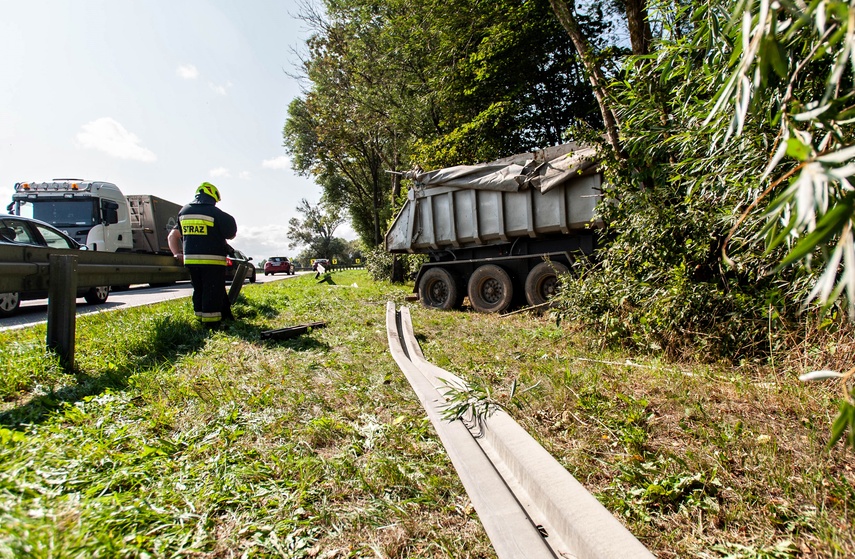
x=109, y=212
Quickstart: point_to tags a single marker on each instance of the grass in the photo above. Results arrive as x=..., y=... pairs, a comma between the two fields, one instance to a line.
x=173, y=441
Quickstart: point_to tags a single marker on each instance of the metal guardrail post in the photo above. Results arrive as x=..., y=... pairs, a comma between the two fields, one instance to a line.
x=237, y=282
x=62, y=308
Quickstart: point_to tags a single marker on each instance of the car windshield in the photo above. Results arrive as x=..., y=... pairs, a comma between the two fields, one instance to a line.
x=64, y=213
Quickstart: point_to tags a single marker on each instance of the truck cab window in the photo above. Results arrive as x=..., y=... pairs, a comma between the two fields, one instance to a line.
x=67, y=213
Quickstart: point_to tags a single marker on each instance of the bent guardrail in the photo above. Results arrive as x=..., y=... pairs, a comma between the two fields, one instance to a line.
x=530, y=506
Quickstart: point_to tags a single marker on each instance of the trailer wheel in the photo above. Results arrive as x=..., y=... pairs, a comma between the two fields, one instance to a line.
x=490, y=289
x=438, y=289
x=541, y=284
x=9, y=303
x=97, y=295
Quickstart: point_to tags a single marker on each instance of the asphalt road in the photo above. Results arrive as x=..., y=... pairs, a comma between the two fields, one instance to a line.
x=35, y=312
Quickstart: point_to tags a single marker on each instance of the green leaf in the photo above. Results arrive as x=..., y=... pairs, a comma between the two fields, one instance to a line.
x=778, y=59
x=797, y=149
x=830, y=225
x=843, y=420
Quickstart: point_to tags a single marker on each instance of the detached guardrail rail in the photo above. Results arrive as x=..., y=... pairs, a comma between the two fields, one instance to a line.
x=530, y=506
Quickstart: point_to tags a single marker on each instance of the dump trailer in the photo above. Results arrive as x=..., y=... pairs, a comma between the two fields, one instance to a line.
x=497, y=231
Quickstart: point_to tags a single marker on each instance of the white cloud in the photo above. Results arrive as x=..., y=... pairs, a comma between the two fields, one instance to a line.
x=281, y=162
x=245, y=175
x=263, y=241
x=219, y=172
x=187, y=71
x=107, y=135
x=220, y=89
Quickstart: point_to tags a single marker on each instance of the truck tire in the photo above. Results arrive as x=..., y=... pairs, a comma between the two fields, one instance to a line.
x=97, y=295
x=541, y=284
x=490, y=289
x=438, y=289
x=9, y=303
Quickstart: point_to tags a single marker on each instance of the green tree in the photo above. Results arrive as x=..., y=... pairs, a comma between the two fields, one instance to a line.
x=395, y=83
x=793, y=65
x=661, y=282
x=316, y=228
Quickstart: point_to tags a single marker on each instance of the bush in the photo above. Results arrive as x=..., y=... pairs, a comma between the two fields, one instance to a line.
x=379, y=264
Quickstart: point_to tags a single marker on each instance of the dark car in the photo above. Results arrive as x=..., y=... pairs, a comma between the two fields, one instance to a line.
x=237, y=257
x=15, y=230
x=323, y=262
x=277, y=264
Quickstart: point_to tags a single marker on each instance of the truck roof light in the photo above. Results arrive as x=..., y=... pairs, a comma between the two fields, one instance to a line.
x=74, y=186
x=25, y=186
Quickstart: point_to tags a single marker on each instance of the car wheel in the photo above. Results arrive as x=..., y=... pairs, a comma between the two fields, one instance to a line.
x=97, y=295
x=252, y=277
x=9, y=303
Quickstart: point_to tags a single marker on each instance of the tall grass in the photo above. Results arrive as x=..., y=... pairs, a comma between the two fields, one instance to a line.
x=174, y=441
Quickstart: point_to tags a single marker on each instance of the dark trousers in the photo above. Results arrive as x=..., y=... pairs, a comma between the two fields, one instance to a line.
x=210, y=300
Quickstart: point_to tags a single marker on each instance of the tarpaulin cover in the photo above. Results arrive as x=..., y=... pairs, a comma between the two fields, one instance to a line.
x=513, y=173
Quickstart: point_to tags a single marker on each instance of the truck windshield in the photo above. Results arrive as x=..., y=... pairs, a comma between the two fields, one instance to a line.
x=65, y=213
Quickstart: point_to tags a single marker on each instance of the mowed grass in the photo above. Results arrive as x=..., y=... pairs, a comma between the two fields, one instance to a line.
x=171, y=441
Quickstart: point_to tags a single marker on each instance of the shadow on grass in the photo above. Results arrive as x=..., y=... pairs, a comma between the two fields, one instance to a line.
x=167, y=339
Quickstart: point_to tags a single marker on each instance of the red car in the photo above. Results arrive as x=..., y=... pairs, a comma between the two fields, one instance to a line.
x=276, y=264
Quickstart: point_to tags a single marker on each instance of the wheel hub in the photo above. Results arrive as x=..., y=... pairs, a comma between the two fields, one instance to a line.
x=492, y=291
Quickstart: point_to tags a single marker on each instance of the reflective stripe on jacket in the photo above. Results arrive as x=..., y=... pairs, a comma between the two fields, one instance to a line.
x=204, y=231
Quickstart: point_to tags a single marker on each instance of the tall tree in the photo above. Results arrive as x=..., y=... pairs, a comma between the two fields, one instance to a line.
x=399, y=82
x=315, y=230
x=565, y=11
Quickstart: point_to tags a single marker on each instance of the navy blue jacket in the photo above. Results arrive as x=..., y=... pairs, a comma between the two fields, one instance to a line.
x=205, y=228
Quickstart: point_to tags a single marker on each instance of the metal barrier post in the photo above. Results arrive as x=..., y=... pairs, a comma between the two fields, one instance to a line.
x=62, y=308
x=237, y=282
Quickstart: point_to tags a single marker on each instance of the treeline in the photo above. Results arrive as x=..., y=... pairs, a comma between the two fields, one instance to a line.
x=724, y=130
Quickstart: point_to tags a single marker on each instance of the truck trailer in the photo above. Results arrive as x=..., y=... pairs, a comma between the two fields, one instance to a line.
x=495, y=231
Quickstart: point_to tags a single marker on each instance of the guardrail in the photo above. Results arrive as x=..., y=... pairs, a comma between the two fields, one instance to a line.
x=530, y=506
x=61, y=272
x=26, y=268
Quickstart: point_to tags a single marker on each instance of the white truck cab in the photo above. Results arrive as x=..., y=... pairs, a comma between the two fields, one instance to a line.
x=93, y=213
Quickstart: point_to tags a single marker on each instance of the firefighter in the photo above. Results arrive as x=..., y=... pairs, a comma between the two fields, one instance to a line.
x=199, y=240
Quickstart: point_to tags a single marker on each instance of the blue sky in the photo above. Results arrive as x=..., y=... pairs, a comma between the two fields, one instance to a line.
x=157, y=96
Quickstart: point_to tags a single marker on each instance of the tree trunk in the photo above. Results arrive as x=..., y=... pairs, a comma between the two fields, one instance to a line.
x=640, y=35
x=564, y=12
x=397, y=269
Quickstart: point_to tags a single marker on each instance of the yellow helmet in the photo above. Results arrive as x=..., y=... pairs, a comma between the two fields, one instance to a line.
x=210, y=190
